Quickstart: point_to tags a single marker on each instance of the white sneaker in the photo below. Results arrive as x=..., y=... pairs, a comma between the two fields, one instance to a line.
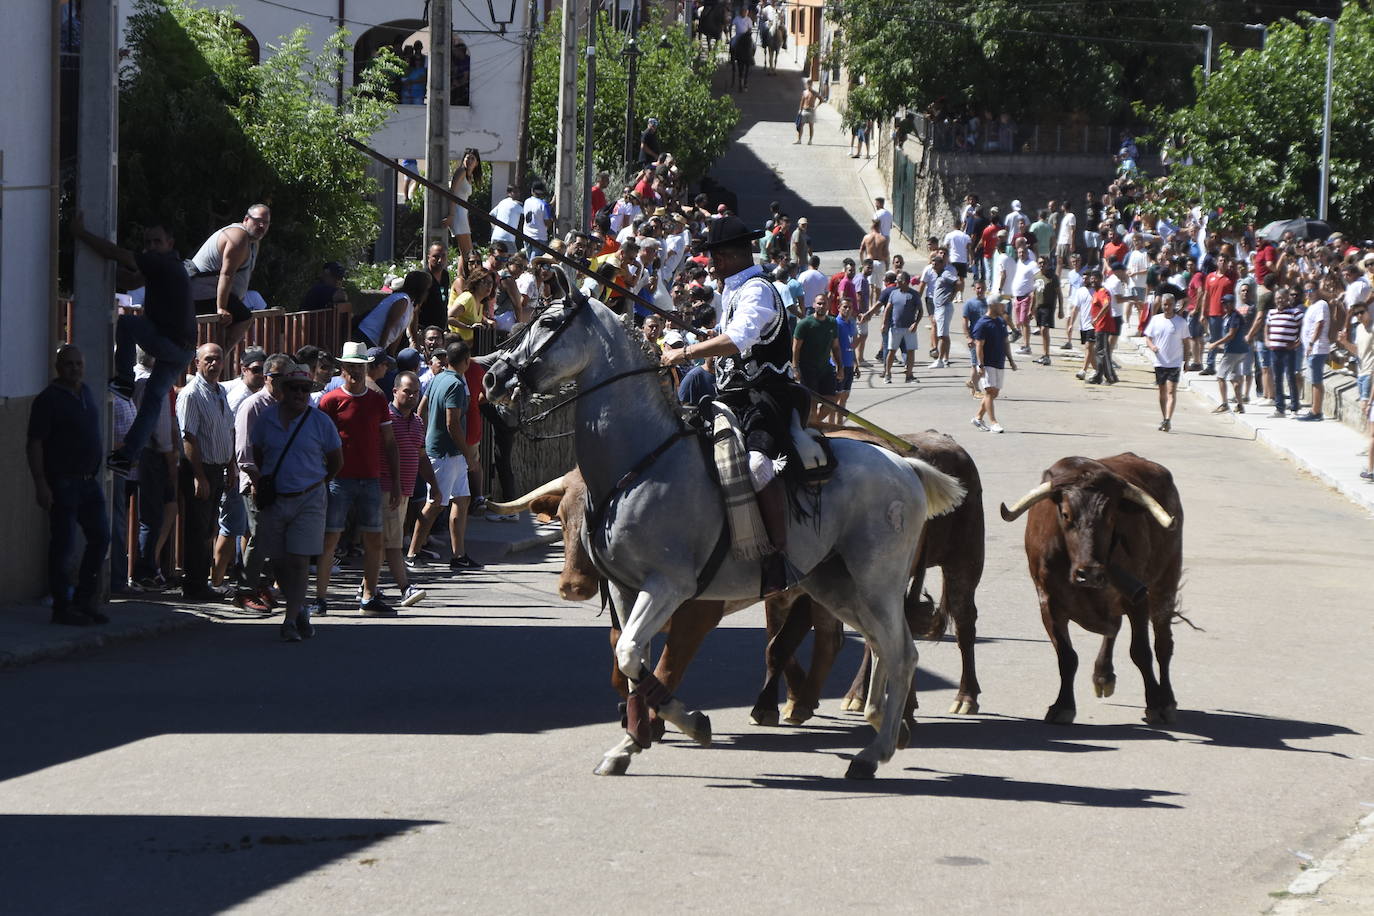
x=944, y=363
x=1022, y=351
x=1264, y=402
x=413, y=596
x=997, y=428
x=979, y=424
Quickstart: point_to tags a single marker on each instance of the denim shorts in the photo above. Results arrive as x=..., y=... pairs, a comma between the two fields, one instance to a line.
x=1364, y=383
x=233, y=515
x=364, y=496
x=1262, y=358
x=1316, y=368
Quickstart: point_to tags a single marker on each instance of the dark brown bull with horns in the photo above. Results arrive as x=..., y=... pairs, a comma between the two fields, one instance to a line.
x=1104, y=539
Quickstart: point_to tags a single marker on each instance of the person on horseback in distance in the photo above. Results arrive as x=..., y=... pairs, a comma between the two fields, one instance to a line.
x=752, y=348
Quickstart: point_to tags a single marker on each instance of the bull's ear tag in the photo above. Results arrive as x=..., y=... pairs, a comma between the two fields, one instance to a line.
x=894, y=515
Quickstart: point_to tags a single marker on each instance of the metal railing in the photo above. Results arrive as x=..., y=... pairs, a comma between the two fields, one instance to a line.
x=996, y=138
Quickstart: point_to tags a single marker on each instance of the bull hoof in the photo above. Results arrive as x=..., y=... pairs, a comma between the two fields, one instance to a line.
x=618, y=765
x=657, y=728
x=1058, y=715
x=852, y=704
x=861, y=769
x=698, y=728
x=964, y=707
x=795, y=714
x=763, y=715
x=1165, y=716
x=903, y=736
x=1104, y=689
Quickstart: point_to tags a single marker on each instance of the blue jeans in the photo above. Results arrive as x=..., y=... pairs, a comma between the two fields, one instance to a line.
x=1285, y=371
x=155, y=490
x=169, y=364
x=76, y=502
x=1214, y=333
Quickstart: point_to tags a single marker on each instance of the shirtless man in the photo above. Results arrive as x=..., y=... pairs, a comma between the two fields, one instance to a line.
x=874, y=246
x=807, y=111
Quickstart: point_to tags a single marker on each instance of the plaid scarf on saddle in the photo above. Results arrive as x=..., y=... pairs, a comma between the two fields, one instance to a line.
x=748, y=538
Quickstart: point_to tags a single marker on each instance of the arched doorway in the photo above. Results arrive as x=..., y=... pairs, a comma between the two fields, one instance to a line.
x=254, y=49
x=409, y=39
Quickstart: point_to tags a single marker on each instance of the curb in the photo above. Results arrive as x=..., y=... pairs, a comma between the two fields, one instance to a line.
x=1302, y=891
x=90, y=641
x=538, y=540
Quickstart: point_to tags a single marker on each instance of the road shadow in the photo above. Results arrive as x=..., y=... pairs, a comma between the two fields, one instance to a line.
x=939, y=784
x=69, y=863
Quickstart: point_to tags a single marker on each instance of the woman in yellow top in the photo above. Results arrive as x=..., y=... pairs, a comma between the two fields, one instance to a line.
x=467, y=302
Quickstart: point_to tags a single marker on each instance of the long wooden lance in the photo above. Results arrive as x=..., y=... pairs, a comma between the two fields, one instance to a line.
x=586, y=270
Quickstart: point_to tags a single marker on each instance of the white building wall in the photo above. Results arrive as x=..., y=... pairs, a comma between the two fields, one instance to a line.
x=487, y=124
x=28, y=49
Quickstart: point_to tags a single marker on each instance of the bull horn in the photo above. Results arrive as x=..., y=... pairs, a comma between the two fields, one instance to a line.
x=1019, y=507
x=1138, y=496
x=558, y=485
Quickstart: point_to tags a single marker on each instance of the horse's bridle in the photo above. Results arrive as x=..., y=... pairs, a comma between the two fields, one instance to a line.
x=569, y=310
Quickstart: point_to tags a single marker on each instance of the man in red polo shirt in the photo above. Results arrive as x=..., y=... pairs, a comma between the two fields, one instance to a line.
x=363, y=418
x=1220, y=282
x=1115, y=249
x=1104, y=328
x=841, y=287
x=1265, y=257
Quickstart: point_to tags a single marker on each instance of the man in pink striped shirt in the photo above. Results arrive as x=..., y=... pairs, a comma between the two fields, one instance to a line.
x=409, y=430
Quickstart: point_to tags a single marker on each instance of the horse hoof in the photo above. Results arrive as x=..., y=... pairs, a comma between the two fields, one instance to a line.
x=698, y=728
x=1060, y=716
x=852, y=704
x=964, y=707
x=1105, y=689
x=1164, y=716
x=903, y=736
x=861, y=769
x=762, y=715
x=618, y=765
x=657, y=728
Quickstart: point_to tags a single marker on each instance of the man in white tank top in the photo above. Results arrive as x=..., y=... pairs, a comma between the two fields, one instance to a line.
x=222, y=268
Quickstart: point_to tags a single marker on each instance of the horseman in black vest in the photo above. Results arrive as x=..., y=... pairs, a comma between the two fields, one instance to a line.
x=752, y=348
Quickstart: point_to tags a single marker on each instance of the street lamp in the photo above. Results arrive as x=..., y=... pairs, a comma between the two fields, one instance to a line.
x=1262, y=29
x=1207, y=59
x=1326, y=116
x=502, y=13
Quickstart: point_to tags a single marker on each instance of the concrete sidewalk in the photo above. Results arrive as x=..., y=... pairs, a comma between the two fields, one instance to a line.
x=27, y=636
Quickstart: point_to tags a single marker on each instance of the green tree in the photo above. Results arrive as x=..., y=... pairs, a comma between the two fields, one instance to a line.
x=204, y=133
x=1251, y=144
x=1082, y=56
x=694, y=123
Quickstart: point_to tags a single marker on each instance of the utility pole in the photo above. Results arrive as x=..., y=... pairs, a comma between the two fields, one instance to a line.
x=632, y=52
x=436, y=119
x=1207, y=53
x=1324, y=190
x=589, y=112
x=565, y=167
x=522, y=152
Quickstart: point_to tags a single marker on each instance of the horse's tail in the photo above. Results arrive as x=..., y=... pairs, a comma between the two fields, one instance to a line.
x=943, y=492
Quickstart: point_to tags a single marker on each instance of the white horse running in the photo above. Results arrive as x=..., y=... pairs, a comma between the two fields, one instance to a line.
x=662, y=526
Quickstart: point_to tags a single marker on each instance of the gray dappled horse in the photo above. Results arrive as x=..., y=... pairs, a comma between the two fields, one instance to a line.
x=656, y=516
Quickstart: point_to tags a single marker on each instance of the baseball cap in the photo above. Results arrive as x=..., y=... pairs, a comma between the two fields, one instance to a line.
x=253, y=355
x=376, y=355
x=408, y=359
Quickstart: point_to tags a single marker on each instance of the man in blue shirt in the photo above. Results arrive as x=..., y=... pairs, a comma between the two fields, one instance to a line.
x=848, y=326
x=64, y=452
x=974, y=310
x=299, y=448
x=994, y=354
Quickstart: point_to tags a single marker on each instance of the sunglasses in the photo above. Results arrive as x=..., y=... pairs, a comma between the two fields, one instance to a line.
x=256, y=370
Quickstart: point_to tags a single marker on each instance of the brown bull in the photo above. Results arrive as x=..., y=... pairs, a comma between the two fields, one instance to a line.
x=954, y=542
x=1104, y=540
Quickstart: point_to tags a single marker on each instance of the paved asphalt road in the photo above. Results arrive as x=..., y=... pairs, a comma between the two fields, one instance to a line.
x=442, y=761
